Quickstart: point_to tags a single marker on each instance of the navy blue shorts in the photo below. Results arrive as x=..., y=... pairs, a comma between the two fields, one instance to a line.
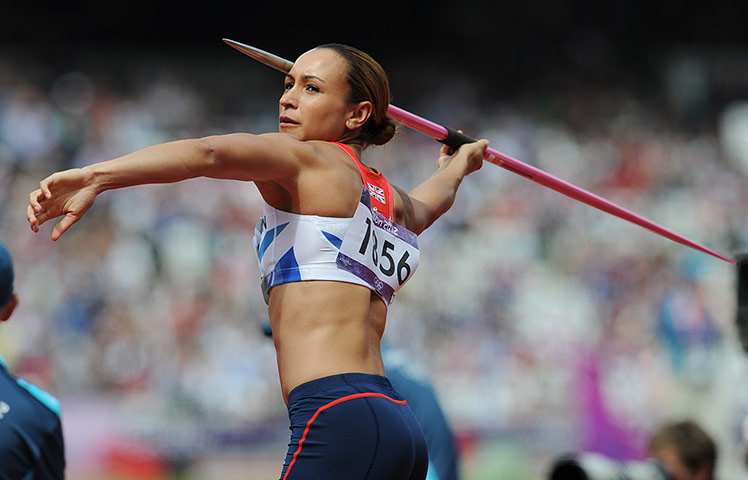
x=353, y=426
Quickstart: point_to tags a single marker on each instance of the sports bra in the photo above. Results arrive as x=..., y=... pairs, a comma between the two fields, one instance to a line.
x=293, y=247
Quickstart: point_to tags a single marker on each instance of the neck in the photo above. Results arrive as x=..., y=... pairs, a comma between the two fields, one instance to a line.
x=354, y=145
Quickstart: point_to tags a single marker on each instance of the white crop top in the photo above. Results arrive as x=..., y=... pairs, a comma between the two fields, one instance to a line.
x=378, y=253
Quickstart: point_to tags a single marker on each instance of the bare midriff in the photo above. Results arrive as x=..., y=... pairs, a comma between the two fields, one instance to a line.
x=323, y=328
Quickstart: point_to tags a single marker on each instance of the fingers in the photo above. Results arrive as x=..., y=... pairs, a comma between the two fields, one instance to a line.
x=34, y=200
x=35, y=212
x=446, y=150
x=44, y=187
x=483, y=145
x=35, y=208
x=474, y=153
x=477, y=148
x=62, y=226
x=32, y=219
x=36, y=219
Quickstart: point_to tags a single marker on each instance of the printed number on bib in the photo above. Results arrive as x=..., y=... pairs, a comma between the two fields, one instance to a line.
x=382, y=253
x=385, y=257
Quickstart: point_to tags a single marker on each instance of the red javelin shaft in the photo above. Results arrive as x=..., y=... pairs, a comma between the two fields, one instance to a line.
x=455, y=139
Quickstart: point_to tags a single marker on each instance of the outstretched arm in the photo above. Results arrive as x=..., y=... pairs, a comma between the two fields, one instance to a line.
x=71, y=193
x=431, y=199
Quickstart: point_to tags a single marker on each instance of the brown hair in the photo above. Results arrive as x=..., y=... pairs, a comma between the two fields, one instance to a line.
x=694, y=446
x=368, y=81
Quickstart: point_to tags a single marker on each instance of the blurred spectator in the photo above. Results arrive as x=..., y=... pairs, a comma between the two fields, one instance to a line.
x=31, y=441
x=685, y=449
x=687, y=330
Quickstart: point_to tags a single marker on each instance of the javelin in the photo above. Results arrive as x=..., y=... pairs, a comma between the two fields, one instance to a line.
x=454, y=139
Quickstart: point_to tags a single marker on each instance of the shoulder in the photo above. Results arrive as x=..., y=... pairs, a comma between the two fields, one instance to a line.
x=265, y=144
x=278, y=146
x=270, y=157
x=44, y=397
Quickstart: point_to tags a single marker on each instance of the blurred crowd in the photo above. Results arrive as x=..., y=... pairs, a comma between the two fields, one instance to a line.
x=541, y=321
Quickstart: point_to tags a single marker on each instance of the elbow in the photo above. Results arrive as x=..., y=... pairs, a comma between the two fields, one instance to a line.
x=205, y=151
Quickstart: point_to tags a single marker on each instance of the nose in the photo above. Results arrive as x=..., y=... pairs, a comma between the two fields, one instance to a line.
x=288, y=99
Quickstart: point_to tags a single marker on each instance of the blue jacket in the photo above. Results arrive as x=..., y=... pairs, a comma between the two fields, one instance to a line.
x=31, y=442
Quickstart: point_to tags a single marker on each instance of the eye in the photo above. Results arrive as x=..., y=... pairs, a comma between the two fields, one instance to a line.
x=288, y=86
x=312, y=88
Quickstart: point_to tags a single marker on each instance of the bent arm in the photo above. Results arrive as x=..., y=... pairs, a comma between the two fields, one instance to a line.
x=434, y=197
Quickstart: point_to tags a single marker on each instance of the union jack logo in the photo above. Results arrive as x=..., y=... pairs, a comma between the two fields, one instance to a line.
x=376, y=192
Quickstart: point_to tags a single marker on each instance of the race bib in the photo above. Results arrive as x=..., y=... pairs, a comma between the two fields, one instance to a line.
x=379, y=251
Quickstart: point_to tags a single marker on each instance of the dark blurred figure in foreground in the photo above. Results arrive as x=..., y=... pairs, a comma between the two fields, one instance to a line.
x=677, y=451
x=31, y=441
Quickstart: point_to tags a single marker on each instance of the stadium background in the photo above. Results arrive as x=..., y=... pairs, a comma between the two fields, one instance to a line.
x=545, y=325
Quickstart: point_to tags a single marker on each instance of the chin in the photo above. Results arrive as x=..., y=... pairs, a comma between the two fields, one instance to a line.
x=294, y=132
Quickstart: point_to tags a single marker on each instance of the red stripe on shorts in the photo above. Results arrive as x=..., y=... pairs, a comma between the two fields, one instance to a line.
x=325, y=407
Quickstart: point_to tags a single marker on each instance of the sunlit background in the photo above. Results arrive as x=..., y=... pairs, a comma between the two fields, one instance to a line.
x=545, y=326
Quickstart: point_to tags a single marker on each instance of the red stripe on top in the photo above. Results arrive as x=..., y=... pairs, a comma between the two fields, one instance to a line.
x=376, y=179
x=325, y=407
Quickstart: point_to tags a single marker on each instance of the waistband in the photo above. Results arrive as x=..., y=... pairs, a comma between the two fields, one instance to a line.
x=357, y=382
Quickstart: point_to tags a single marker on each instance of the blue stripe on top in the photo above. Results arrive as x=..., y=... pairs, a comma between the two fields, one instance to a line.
x=269, y=237
x=286, y=270
x=333, y=239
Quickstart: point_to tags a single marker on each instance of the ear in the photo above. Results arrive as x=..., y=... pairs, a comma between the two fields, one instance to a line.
x=358, y=115
x=7, y=310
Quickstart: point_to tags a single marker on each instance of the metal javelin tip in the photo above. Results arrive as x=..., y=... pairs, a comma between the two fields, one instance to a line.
x=273, y=61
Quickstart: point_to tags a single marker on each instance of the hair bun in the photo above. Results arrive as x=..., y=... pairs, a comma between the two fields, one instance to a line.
x=379, y=134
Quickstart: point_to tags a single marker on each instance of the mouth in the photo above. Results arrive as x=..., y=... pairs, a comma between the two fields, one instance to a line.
x=287, y=122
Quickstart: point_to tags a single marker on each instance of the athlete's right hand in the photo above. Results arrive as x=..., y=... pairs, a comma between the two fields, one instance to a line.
x=69, y=194
x=471, y=153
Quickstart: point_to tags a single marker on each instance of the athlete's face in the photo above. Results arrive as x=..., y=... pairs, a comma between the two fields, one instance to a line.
x=314, y=103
